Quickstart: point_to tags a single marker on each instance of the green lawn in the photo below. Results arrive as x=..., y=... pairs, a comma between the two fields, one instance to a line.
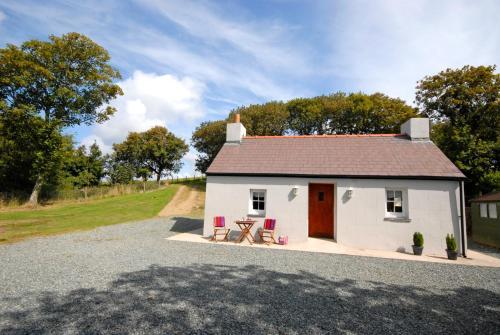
x=20, y=224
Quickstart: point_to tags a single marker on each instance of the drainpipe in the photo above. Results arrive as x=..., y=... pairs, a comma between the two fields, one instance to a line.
x=462, y=218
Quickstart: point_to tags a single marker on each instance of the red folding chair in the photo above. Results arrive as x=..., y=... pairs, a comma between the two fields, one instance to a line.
x=220, y=229
x=266, y=233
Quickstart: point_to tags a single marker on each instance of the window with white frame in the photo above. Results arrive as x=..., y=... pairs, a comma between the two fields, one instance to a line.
x=492, y=211
x=395, y=206
x=257, y=202
x=483, y=209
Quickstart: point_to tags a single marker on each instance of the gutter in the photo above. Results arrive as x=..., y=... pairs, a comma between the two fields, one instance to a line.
x=289, y=175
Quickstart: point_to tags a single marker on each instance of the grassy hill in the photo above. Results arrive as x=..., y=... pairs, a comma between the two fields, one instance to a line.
x=60, y=218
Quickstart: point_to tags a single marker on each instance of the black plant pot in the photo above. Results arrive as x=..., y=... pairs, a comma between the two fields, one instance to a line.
x=417, y=250
x=452, y=254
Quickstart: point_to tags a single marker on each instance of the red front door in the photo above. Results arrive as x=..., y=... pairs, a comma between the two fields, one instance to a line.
x=321, y=210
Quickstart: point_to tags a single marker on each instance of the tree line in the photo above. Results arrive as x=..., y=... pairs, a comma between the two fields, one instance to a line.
x=463, y=105
x=49, y=86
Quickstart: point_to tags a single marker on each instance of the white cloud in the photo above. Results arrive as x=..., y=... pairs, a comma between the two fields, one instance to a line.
x=388, y=46
x=230, y=76
x=266, y=41
x=149, y=100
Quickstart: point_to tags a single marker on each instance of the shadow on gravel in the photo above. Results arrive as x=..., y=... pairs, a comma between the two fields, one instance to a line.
x=184, y=225
x=222, y=299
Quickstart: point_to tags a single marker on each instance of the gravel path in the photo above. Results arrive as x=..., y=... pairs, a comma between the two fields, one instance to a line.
x=128, y=279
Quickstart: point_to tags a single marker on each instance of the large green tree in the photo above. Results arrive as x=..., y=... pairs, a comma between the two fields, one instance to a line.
x=307, y=116
x=26, y=144
x=163, y=151
x=85, y=168
x=129, y=153
x=264, y=119
x=464, y=105
x=117, y=171
x=67, y=81
x=208, y=138
x=155, y=151
x=341, y=113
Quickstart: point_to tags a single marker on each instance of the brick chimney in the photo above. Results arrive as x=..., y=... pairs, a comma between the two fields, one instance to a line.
x=235, y=131
x=416, y=128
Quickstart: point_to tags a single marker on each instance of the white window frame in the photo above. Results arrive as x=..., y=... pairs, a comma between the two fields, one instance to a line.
x=483, y=209
x=404, y=200
x=260, y=194
x=492, y=210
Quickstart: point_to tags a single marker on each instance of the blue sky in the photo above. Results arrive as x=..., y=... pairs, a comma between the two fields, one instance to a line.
x=184, y=62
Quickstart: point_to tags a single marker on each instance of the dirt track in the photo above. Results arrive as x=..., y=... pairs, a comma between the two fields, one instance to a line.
x=184, y=202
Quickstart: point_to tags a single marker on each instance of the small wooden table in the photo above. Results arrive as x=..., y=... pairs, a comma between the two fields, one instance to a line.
x=245, y=226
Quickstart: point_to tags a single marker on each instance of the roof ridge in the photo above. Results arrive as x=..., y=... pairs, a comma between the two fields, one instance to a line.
x=325, y=136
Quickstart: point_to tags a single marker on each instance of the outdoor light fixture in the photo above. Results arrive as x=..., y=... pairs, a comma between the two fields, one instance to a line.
x=295, y=190
x=348, y=193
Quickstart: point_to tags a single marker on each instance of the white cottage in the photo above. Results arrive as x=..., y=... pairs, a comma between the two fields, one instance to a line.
x=365, y=191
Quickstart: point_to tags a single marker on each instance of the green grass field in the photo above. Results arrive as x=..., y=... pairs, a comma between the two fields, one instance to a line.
x=61, y=218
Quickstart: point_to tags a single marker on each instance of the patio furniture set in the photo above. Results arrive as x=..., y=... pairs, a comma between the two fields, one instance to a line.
x=266, y=233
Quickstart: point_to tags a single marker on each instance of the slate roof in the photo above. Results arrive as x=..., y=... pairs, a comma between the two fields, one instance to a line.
x=488, y=197
x=361, y=156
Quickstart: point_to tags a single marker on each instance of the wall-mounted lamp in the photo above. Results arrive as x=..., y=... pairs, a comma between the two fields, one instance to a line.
x=348, y=193
x=295, y=190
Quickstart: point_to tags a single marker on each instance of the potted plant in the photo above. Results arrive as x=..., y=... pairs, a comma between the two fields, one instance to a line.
x=451, y=247
x=418, y=243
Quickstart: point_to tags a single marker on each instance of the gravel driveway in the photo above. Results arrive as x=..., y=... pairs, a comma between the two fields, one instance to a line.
x=129, y=279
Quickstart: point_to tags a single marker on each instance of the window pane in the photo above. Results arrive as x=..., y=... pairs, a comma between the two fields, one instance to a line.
x=321, y=196
x=492, y=211
x=483, y=210
x=390, y=206
x=390, y=195
x=258, y=201
x=398, y=194
x=398, y=209
x=398, y=202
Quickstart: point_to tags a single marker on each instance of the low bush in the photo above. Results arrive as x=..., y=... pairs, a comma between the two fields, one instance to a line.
x=451, y=243
x=418, y=239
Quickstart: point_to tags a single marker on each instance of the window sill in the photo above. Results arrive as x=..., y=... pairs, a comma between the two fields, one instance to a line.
x=402, y=219
x=256, y=215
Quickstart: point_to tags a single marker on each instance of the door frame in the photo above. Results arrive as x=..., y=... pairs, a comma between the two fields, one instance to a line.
x=334, y=206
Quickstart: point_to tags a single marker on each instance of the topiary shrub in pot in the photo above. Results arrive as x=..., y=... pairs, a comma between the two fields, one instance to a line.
x=451, y=247
x=418, y=243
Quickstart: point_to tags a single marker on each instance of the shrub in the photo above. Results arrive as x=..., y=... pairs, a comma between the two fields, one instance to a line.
x=418, y=239
x=451, y=243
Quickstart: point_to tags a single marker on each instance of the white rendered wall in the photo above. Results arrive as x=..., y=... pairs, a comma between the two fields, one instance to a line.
x=230, y=196
x=432, y=206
